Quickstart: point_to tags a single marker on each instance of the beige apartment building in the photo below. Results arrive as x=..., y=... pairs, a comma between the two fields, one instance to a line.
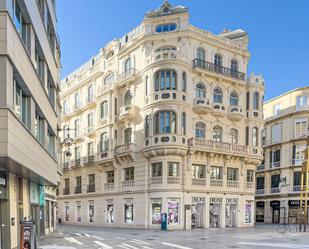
x=164, y=120
x=29, y=108
x=278, y=178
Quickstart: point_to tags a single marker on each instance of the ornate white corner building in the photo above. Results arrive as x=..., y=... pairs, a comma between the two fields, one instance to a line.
x=165, y=121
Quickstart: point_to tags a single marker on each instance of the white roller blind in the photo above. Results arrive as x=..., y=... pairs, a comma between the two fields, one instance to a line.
x=276, y=131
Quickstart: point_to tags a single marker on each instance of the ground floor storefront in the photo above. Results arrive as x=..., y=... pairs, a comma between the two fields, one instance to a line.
x=24, y=201
x=145, y=210
x=281, y=210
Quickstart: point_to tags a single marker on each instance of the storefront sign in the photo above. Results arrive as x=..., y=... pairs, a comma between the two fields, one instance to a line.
x=231, y=200
x=198, y=200
x=275, y=203
x=295, y=203
x=260, y=204
x=34, y=193
x=27, y=235
x=215, y=200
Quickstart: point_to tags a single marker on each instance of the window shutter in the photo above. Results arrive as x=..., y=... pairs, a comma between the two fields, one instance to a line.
x=294, y=151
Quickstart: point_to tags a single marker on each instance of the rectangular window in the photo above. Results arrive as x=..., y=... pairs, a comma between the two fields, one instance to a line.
x=173, y=211
x=104, y=109
x=275, y=155
x=78, y=181
x=156, y=169
x=216, y=173
x=260, y=182
x=67, y=183
x=90, y=120
x=250, y=175
x=300, y=127
x=78, y=212
x=277, y=108
x=67, y=212
x=275, y=180
x=91, y=179
x=232, y=174
x=183, y=123
x=39, y=128
x=173, y=169
x=301, y=102
x=247, y=136
x=298, y=154
x=110, y=176
x=77, y=152
x=276, y=133
x=297, y=178
x=198, y=171
x=90, y=149
x=129, y=174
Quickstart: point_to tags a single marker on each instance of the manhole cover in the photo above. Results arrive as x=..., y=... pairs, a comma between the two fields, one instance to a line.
x=203, y=238
x=233, y=246
x=150, y=239
x=134, y=234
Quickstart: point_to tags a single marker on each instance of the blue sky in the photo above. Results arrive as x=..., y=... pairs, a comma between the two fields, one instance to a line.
x=278, y=31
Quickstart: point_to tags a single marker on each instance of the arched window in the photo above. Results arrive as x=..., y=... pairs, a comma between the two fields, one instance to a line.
x=104, y=109
x=128, y=98
x=168, y=27
x=77, y=100
x=217, y=133
x=166, y=80
x=183, y=123
x=127, y=65
x=200, y=91
x=109, y=79
x=147, y=126
x=165, y=122
x=146, y=86
x=218, y=96
x=255, y=136
x=65, y=107
x=233, y=135
x=200, y=130
x=90, y=93
x=128, y=136
x=218, y=62
x=77, y=127
x=110, y=55
x=256, y=101
x=104, y=142
x=200, y=54
x=233, y=99
x=234, y=66
x=184, y=81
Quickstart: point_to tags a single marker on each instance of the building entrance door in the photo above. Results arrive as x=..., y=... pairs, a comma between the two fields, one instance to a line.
x=197, y=215
x=276, y=214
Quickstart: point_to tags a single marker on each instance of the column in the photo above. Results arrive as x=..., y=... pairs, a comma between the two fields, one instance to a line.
x=222, y=211
x=206, y=217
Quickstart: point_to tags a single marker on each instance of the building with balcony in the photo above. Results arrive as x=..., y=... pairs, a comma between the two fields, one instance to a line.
x=29, y=117
x=278, y=177
x=173, y=126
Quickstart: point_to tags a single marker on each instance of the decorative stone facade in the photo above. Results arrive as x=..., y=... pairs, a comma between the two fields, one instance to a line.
x=164, y=121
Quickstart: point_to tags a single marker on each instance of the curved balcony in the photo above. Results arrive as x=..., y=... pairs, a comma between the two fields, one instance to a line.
x=166, y=95
x=127, y=77
x=201, y=105
x=218, y=109
x=90, y=131
x=125, y=153
x=235, y=113
x=128, y=113
x=165, y=144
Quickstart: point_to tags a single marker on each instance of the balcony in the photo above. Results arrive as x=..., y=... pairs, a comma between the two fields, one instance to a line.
x=217, y=69
x=297, y=162
x=166, y=95
x=89, y=160
x=201, y=105
x=109, y=186
x=249, y=185
x=260, y=191
x=235, y=113
x=105, y=88
x=125, y=153
x=165, y=144
x=275, y=165
x=76, y=163
x=104, y=157
x=173, y=180
x=128, y=113
x=165, y=55
x=218, y=109
x=90, y=131
x=65, y=166
x=199, y=181
x=232, y=184
x=90, y=100
x=78, y=190
x=216, y=182
x=260, y=167
x=127, y=77
x=296, y=188
x=275, y=190
x=66, y=191
x=90, y=188
x=156, y=180
x=128, y=184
